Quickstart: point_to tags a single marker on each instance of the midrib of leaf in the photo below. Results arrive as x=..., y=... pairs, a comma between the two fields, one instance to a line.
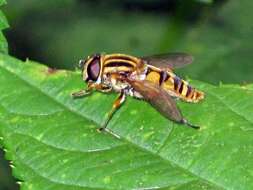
x=35, y=86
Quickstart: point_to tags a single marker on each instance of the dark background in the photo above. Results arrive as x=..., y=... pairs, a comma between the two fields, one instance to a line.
x=60, y=32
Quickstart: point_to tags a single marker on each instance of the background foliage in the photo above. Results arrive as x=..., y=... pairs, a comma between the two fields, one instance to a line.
x=61, y=32
x=6, y=180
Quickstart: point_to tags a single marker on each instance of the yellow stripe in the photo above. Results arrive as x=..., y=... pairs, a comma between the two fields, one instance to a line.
x=116, y=69
x=168, y=84
x=127, y=57
x=153, y=77
x=184, y=91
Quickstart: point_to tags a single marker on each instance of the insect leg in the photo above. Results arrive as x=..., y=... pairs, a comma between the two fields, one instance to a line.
x=104, y=88
x=116, y=105
x=83, y=92
x=185, y=122
x=91, y=87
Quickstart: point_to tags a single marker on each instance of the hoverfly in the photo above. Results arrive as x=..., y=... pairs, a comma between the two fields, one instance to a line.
x=148, y=78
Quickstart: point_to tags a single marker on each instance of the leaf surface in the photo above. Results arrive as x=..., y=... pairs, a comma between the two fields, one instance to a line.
x=3, y=25
x=53, y=142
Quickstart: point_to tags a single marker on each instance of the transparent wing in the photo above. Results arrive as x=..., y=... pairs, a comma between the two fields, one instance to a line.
x=169, y=60
x=158, y=98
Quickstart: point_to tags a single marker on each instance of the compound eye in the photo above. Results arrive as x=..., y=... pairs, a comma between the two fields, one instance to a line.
x=94, y=68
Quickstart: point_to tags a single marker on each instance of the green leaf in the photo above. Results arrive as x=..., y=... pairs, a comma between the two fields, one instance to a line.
x=3, y=25
x=6, y=180
x=53, y=142
x=3, y=21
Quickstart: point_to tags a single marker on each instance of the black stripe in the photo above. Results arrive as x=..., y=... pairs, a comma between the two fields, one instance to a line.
x=189, y=90
x=118, y=64
x=181, y=88
x=177, y=82
x=148, y=71
x=163, y=77
x=197, y=95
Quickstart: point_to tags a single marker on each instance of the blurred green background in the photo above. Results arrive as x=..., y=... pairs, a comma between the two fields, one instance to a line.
x=60, y=32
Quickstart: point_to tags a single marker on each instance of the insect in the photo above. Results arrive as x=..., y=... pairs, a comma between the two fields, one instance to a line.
x=148, y=78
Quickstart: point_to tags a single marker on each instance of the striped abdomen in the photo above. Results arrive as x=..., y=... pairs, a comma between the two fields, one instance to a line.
x=173, y=84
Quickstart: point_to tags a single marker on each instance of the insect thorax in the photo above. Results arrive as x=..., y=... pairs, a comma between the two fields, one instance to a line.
x=120, y=64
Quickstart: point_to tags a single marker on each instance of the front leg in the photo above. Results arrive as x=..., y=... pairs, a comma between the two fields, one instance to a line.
x=91, y=87
x=83, y=92
x=116, y=105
